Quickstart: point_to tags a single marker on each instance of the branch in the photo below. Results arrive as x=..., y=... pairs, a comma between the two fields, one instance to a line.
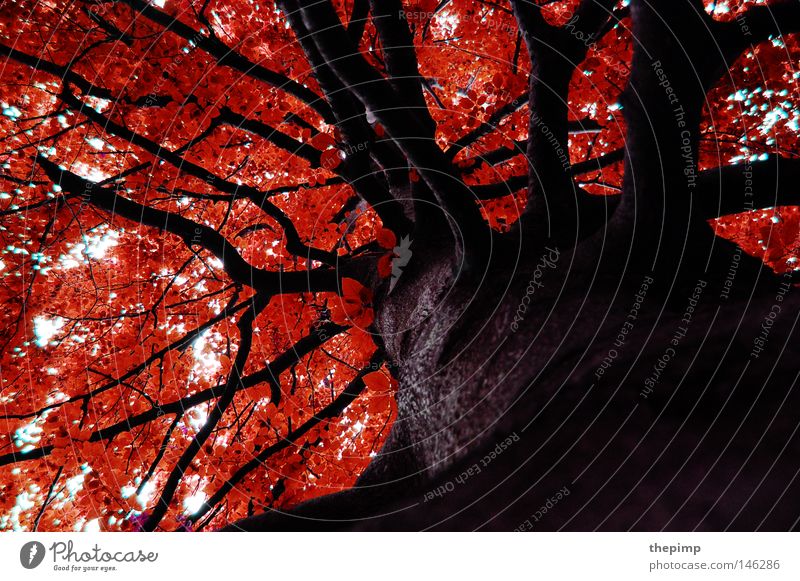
x=65, y=74
x=363, y=182
x=359, y=138
x=293, y=242
x=245, y=325
x=502, y=154
x=749, y=186
x=598, y=163
x=192, y=233
x=399, y=54
x=516, y=183
x=487, y=126
x=322, y=333
x=501, y=189
x=273, y=135
x=47, y=499
x=227, y=56
x=332, y=410
x=358, y=21
x=379, y=98
x=161, y=451
x=179, y=343
x=555, y=52
x=530, y=20
x=672, y=60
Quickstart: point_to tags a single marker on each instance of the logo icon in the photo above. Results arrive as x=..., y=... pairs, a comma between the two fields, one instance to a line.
x=402, y=256
x=31, y=554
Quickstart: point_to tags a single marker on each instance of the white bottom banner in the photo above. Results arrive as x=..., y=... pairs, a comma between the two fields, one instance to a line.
x=450, y=556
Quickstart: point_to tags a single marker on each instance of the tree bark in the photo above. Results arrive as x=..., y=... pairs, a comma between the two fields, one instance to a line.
x=654, y=412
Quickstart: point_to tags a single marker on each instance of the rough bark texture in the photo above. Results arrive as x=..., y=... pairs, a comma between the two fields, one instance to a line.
x=712, y=446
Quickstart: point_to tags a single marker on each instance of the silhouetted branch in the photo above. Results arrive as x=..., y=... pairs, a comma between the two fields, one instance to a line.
x=749, y=186
x=193, y=233
x=331, y=411
x=228, y=56
x=293, y=242
x=245, y=325
x=379, y=98
x=270, y=373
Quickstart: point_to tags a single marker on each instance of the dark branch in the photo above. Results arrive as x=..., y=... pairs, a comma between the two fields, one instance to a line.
x=555, y=52
x=293, y=242
x=516, y=183
x=399, y=54
x=322, y=333
x=672, y=60
x=192, y=233
x=359, y=137
x=502, y=154
x=379, y=98
x=358, y=21
x=331, y=411
x=487, y=126
x=245, y=326
x=749, y=186
x=227, y=56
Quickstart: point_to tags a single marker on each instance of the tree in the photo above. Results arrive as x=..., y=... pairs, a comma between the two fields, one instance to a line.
x=462, y=264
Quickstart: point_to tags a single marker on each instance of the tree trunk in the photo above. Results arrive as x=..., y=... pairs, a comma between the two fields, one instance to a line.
x=546, y=395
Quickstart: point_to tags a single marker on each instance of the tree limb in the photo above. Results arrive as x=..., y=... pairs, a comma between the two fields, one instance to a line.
x=227, y=56
x=555, y=52
x=360, y=140
x=192, y=233
x=331, y=411
x=399, y=54
x=380, y=99
x=293, y=242
x=760, y=184
x=245, y=325
x=322, y=333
